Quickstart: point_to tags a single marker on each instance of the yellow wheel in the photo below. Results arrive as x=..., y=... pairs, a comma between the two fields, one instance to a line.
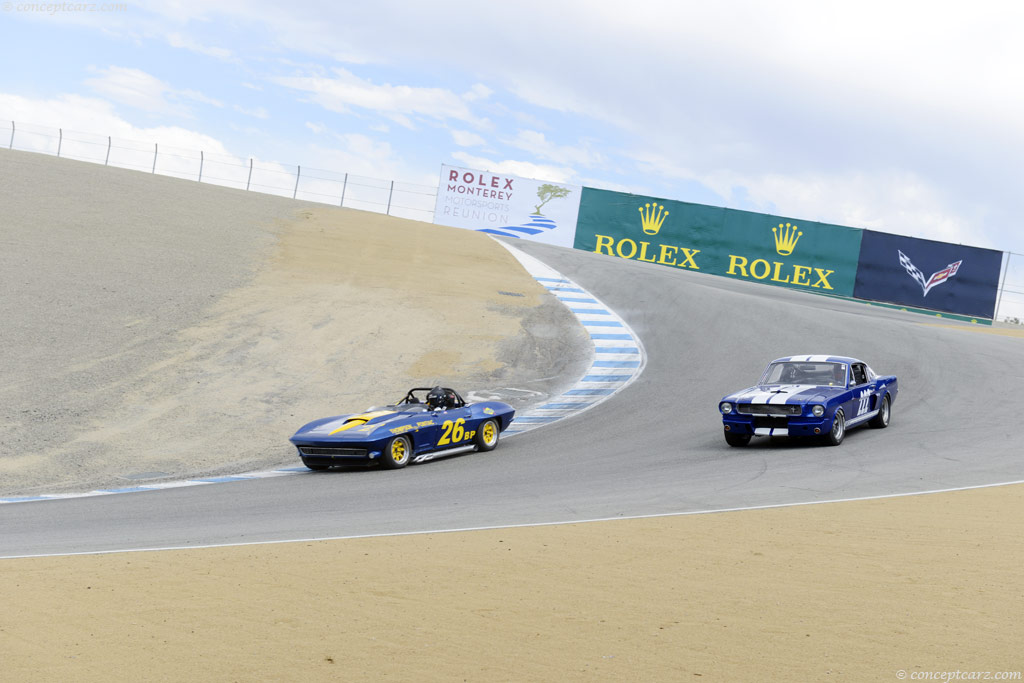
x=397, y=453
x=487, y=435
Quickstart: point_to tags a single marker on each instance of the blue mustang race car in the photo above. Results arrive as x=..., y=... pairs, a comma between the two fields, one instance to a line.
x=809, y=396
x=428, y=423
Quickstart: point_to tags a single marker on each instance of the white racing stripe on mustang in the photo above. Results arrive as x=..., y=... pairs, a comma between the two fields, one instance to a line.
x=790, y=391
x=861, y=418
x=619, y=358
x=771, y=431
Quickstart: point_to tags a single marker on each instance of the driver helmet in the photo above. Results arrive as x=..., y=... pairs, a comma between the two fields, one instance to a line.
x=437, y=398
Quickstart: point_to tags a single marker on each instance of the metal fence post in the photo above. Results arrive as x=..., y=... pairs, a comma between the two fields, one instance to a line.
x=11, y=146
x=1002, y=287
x=156, y=150
x=389, y=197
x=107, y=160
x=60, y=140
x=200, y=165
x=343, y=186
x=298, y=174
x=250, y=175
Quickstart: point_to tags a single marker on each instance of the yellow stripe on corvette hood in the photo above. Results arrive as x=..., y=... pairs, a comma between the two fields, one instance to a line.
x=359, y=420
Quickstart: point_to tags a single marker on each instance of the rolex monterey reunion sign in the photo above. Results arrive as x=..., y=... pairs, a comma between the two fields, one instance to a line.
x=507, y=205
x=774, y=250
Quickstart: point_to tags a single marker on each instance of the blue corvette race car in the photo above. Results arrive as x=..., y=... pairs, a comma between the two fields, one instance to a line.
x=809, y=396
x=428, y=423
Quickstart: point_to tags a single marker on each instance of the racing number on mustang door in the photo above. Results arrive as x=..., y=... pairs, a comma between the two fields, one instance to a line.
x=865, y=398
x=454, y=432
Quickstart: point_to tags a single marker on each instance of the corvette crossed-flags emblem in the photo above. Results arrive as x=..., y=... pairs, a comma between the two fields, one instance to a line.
x=937, y=278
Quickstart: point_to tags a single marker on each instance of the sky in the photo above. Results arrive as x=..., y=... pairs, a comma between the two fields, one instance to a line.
x=903, y=117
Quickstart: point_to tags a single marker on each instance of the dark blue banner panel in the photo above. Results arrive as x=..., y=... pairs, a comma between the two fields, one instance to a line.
x=928, y=274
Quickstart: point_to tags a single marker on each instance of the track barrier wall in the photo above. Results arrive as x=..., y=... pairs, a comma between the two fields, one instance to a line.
x=739, y=244
x=919, y=273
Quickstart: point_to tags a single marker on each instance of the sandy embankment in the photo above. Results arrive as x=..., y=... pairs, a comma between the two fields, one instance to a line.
x=161, y=329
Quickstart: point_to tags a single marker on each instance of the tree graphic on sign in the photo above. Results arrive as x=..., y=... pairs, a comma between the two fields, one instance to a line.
x=547, y=192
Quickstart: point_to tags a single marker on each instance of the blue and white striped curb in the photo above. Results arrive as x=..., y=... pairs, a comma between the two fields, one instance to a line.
x=164, y=485
x=619, y=356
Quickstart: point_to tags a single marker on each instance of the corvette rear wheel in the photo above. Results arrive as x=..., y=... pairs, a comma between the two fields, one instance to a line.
x=881, y=421
x=397, y=453
x=737, y=439
x=835, y=437
x=487, y=435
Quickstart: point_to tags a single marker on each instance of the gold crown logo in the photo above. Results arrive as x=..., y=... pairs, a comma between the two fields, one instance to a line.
x=653, y=217
x=786, y=238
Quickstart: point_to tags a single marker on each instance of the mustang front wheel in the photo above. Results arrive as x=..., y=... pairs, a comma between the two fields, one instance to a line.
x=487, y=435
x=397, y=453
x=737, y=439
x=835, y=437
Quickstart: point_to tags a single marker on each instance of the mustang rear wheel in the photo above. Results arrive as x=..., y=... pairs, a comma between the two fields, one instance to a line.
x=881, y=421
x=835, y=437
x=487, y=435
x=397, y=453
x=737, y=439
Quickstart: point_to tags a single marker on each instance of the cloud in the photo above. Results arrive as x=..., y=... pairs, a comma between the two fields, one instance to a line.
x=465, y=138
x=524, y=169
x=138, y=89
x=255, y=112
x=537, y=144
x=399, y=103
x=180, y=41
x=97, y=118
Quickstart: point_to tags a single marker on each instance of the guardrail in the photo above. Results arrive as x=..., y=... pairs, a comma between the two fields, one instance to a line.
x=391, y=197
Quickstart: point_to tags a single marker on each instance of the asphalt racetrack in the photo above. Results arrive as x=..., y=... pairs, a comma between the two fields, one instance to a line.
x=654, y=449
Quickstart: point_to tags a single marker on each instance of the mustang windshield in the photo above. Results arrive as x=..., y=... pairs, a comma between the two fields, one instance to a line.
x=817, y=374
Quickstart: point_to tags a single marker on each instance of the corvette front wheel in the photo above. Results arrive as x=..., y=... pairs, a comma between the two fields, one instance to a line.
x=487, y=435
x=397, y=453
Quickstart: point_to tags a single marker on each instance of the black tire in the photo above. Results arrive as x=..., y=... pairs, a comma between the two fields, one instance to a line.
x=835, y=436
x=737, y=439
x=316, y=468
x=397, y=453
x=486, y=438
x=881, y=421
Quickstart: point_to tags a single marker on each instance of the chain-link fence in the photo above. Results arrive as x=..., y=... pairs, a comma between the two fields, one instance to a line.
x=405, y=200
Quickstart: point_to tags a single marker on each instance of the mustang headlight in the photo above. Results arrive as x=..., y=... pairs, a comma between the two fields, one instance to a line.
x=726, y=407
x=817, y=411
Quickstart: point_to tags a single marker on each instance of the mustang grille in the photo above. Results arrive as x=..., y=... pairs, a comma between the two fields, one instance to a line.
x=316, y=450
x=766, y=409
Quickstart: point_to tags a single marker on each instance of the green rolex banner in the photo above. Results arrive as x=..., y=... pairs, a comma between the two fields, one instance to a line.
x=775, y=250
